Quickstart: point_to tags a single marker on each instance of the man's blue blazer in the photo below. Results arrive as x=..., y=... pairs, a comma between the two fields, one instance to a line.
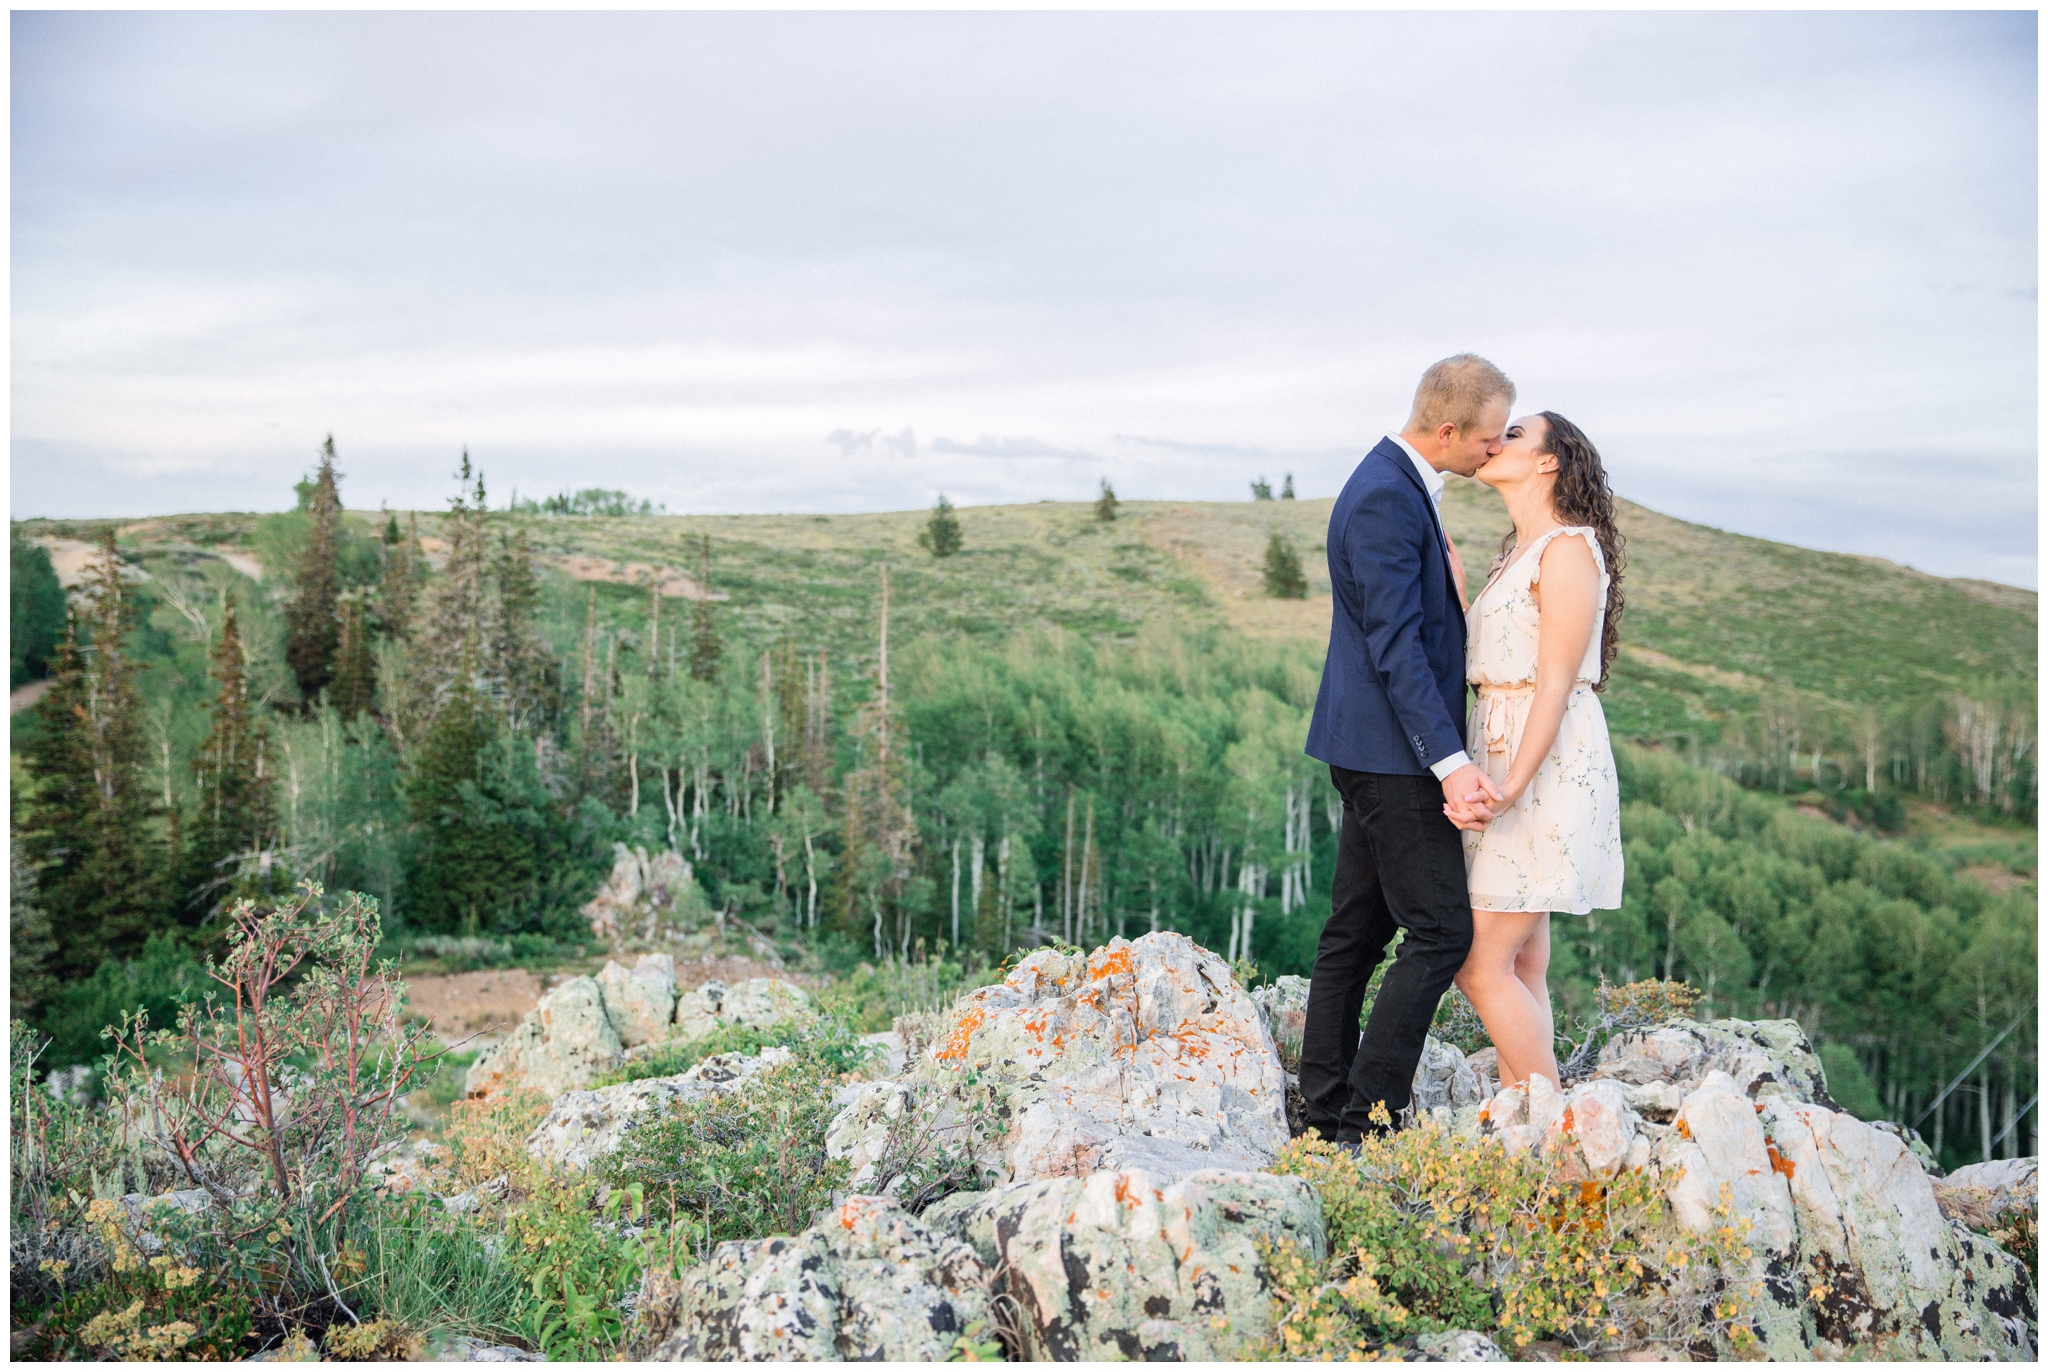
x=1393, y=692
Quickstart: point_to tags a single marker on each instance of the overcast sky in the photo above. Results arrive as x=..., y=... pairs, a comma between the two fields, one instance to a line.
x=1782, y=268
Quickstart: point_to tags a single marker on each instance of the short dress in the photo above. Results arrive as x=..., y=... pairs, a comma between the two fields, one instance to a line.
x=1558, y=848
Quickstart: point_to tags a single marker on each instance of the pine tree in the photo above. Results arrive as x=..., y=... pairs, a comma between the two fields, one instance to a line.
x=477, y=841
x=454, y=622
x=91, y=830
x=312, y=628
x=353, y=691
x=941, y=534
x=1287, y=487
x=1262, y=489
x=1105, y=504
x=704, y=645
x=519, y=657
x=235, y=823
x=401, y=585
x=38, y=607
x=1284, y=579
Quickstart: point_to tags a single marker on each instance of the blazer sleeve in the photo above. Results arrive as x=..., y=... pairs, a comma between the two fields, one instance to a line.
x=1386, y=562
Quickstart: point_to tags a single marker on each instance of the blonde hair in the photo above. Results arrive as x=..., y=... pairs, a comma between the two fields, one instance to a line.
x=1457, y=391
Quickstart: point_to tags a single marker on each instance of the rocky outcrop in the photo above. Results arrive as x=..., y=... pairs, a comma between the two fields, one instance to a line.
x=1125, y=1264
x=758, y=1002
x=1768, y=1057
x=1146, y=1054
x=1444, y=1080
x=563, y=1044
x=584, y=1126
x=640, y=1003
x=868, y=1282
x=642, y=894
x=1847, y=1238
x=1982, y=1194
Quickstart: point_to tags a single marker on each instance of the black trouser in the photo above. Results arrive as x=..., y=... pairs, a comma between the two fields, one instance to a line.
x=1400, y=865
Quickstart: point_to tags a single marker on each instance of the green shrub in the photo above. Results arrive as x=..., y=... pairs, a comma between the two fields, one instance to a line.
x=159, y=981
x=741, y=1165
x=1430, y=1231
x=573, y=1254
x=826, y=1042
x=869, y=998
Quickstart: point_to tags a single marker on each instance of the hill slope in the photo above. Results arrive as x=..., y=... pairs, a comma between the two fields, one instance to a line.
x=1714, y=619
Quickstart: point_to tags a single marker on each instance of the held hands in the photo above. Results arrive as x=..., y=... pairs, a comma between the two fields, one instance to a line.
x=1471, y=800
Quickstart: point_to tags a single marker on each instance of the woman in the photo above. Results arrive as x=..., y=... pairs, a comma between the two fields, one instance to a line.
x=1541, y=638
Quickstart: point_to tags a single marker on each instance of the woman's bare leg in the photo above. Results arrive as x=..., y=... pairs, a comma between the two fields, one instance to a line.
x=1532, y=969
x=1517, y=1020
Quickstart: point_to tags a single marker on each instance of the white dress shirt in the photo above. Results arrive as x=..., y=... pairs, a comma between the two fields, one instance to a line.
x=1433, y=482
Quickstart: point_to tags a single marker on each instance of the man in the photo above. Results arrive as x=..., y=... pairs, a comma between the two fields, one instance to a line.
x=1390, y=722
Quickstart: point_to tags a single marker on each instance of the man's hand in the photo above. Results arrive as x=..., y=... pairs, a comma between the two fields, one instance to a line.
x=1471, y=799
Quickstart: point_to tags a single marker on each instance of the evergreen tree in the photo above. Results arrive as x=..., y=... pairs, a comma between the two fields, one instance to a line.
x=941, y=533
x=1284, y=579
x=401, y=579
x=477, y=838
x=38, y=607
x=353, y=691
x=91, y=829
x=1262, y=489
x=454, y=624
x=31, y=946
x=1287, y=487
x=235, y=825
x=519, y=656
x=311, y=625
x=1105, y=504
x=704, y=645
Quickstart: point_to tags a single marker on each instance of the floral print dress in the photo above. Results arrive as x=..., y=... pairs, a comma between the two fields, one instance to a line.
x=1558, y=848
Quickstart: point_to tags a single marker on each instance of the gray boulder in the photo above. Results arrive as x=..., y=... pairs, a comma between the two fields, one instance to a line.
x=1145, y=1054
x=563, y=1044
x=758, y=1002
x=1284, y=1008
x=1457, y=1345
x=640, y=1002
x=867, y=1283
x=1125, y=1264
x=1444, y=1080
x=584, y=1126
x=1765, y=1058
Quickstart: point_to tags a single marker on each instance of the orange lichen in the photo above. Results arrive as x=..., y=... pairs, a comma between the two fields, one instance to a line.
x=1779, y=1162
x=1118, y=960
x=954, y=1045
x=1567, y=1125
x=1684, y=1130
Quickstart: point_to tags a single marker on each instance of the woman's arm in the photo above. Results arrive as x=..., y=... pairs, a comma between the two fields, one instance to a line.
x=1567, y=591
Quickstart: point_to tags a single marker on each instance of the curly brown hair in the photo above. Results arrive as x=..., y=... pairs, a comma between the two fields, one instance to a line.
x=1582, y=500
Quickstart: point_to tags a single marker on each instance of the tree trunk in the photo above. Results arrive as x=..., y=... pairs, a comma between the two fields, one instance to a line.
x=956, y=892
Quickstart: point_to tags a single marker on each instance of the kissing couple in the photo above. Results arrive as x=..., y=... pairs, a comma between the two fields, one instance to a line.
x=1463, y=834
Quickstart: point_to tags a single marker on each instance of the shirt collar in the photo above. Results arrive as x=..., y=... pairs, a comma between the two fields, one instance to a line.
x=1432, y=479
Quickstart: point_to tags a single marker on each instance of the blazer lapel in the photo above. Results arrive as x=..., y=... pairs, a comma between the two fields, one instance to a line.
x=1395, y=454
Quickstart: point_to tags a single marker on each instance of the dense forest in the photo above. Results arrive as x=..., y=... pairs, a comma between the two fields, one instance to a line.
x=448, y=723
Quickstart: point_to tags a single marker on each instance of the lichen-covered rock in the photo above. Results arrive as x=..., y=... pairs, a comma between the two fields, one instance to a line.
x=640, y=1002
x=1145, y=1054
x=1125, y=1264
x=1915, y=1145
x=868, y=1282
x=1457, y=1345
x=1768, y=1057
x=1978, y=1195
x=1444, y=1080
x=1849, y=1241
x=584, y=1126
x=643, y=893
x=1284, y=1008
x=1590, y=1128
x=758, y=1001
x=562, y=1045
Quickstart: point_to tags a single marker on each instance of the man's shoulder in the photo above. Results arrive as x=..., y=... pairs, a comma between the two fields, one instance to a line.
x=1382, y=472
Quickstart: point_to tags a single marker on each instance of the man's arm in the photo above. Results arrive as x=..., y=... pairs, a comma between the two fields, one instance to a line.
x=1386, y=560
